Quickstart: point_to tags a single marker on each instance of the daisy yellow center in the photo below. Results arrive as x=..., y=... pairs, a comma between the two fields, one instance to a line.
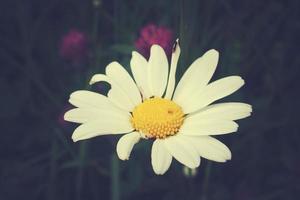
x=157, y=118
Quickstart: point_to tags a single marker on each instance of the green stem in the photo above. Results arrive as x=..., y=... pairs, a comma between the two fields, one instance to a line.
x=64, y=141
x=115, y=177
x=82, y=163
x=114, y=167
x=53, y=169
x=206, y=180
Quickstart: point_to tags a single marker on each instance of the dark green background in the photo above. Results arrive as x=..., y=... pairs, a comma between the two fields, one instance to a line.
x=256, y=39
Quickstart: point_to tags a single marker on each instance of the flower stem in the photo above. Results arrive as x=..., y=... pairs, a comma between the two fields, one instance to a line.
x=115, y=177
x=206, y=180
x=82, y=156
x=114, y=166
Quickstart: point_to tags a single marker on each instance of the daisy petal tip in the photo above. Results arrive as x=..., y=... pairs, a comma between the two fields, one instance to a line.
x=135, y=56
x=197, y=165
x=126, y=144
x=248, y=114
x=159, y=173
x=73, y=94
x=110, y=66
x=176, y=45
x=242, y=81
x=236, y=127
x=134, y=53
x=66, y=116
x=74, y=139
x=214, y=51
x=250, y=109
x=238, y=81
x=76, y=136
x=93, y=80
x=176, y=52
x=122, y=157
x=194, y=165
x=70, y=100
x=228, y=156
x=155, y=47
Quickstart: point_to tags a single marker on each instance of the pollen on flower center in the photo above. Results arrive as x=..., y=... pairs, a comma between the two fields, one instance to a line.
x=157, y=118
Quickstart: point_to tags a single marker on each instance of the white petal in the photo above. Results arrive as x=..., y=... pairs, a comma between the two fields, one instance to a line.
x=182, y=150
x=212, y=92
x=126, y=143
x=116, y=94
x=160, y=158
x=157, y=71
x=210, y=148
x=83, y=115
x=139, y=69
x=100, y=77
x=88, y=99
x=120, y=100
x=121, y=77
x=193, y=126
x=172, y=75
x=109, y=124
x=197, y=76
x=229, y=111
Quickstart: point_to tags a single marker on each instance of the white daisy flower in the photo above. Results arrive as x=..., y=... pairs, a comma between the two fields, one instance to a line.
x=180, y=122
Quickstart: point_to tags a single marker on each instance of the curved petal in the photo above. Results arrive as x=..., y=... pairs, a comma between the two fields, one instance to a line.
x=92, y=100
x=228, y=111
x=83, y=115
x=115, y=94
x=172, y=75
x=157, y=71
x=210, y=148
x=183, y=151
x=192, y=126
x=126, y=143
x=212, y=92
x=139, y=69
x=100, y=77
x=120, y=100
x=121, y=77
x=160, y=158
x=197, y=76
x=88, y=99
x=109, y=124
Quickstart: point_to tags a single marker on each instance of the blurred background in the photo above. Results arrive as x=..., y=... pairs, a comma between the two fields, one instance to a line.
x=49, y=49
